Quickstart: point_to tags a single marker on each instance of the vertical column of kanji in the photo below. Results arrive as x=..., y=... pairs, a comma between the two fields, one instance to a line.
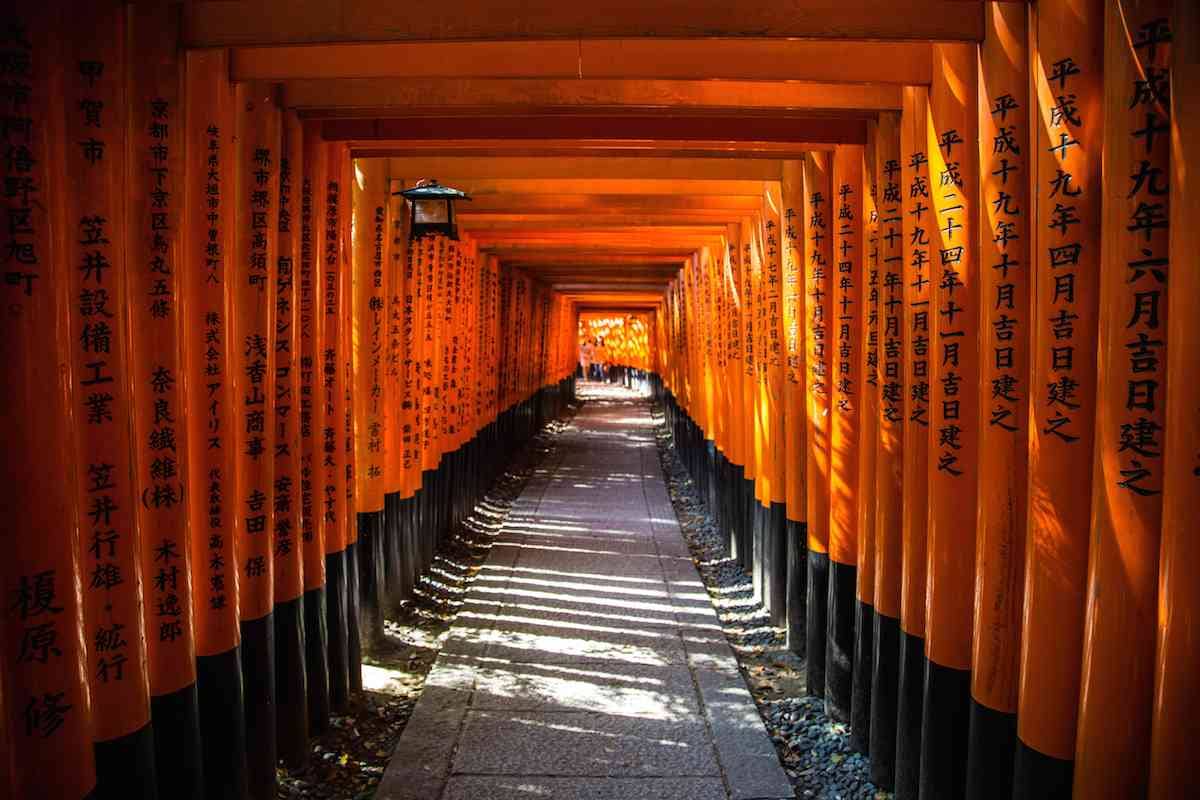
x=206, y=285
x=704, y=262
x=954, y=404
x=722, y=463
x=1178, y=653
x=794, y=453
x=1119, y=633
x=445, y=255
x=396, y=499
x=818, y=256
x=340, y=160
x=94, y=91
x=46, y=728
x=367, y=320
x=868, y=439
x=256, y=177
x=775, y=417
x=889, y=454
x=331, y=413
x=1068, y=68
x=408, y=424
x=734, y=367
x=749, y=393
x=916, y=225
x=155, y=206
x=291, y=722
x=847, y=390
x=429, y=392
x=1004, y=259
x=313, y=468
x=425, y=342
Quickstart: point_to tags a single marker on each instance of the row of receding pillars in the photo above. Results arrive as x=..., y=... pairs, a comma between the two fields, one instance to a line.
x=943, y=398
x=242, y=410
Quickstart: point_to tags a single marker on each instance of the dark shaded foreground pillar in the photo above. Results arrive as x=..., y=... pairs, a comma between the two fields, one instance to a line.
x=222, y=725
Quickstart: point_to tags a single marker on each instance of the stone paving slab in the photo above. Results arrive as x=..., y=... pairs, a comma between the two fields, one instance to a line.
x=587, y=661
x=474, y=787
x=575, y=743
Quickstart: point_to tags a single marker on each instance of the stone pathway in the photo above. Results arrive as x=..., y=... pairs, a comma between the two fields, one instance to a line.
x=587, y=660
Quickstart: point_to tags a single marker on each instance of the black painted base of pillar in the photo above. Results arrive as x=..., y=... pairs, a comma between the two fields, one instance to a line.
x=354, y=643
x=749, y=503
x=258, y=678
x=125, y=766
x=222, y=725
x=797, y=586
x=177, y=755
x=990, y=752
x=839, y=643
x=1037, y=776
x=910, y=705
x=736, y=517
x=817, y=627
x=775, y=563
x=860, y=692
x=291, y=682
x=371, y=580
x=393, y=554
x=945, y=729
x=758, y=526
x=339, y=641
x=316, y=659
x=885, y=686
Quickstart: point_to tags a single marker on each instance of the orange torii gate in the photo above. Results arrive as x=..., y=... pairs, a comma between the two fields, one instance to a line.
x=246, y=407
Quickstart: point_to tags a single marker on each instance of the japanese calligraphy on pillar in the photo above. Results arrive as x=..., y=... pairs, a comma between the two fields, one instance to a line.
x=1142, y=306
x=1006, y=272
x=310, y=299
x=951, y=348
x=1065, y=196
x=254, y=302
x=155, y=206
x=47, y=737
x=111, y=568
x=332, y=401
x=209, y=381
x=891, y=298
x=288, y=479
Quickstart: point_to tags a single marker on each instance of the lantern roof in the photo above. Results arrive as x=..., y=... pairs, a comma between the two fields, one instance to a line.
x=432, y=190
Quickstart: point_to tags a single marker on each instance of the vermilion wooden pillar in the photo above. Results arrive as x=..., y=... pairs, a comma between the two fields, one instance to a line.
x=795, y=419
x=919, y=227
x=1005, y=327
x=818, y=266
x=954, y=423
x=93, y=212
x=1067, y=62
x=368, y=341
x=847, y=386
x=291, y=680
x=774, y=364
x=332, y=416
x=46, y=729
x=889, y=459
x=313, y=468
x=1116, y=684
x=253, y=277
x=207, y=285
x=1176, y=693
x=155, y=213
x=868, y=438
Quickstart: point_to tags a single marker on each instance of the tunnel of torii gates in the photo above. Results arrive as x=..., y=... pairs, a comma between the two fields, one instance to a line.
x=904, y=269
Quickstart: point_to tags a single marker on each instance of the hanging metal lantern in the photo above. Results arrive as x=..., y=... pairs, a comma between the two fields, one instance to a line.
x=432, y=209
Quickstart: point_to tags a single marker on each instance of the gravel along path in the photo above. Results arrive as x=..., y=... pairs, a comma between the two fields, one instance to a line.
x=814, y=749
x=348, y=760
